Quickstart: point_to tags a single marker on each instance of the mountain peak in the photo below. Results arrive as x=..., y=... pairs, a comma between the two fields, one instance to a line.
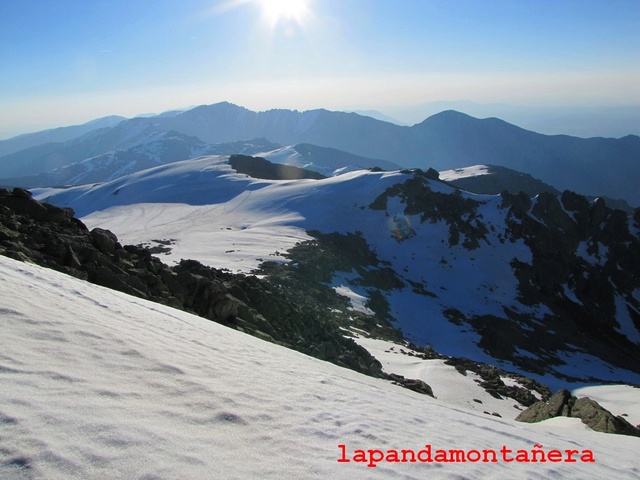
x=449, y=114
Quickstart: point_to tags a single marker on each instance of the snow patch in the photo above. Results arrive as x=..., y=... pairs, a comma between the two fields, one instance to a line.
x=458, y=173
x=627, y=327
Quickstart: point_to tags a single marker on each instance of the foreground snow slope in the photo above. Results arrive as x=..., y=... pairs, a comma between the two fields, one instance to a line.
x=97, y=384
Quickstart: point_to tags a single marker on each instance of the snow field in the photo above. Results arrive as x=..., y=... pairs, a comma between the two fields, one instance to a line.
x=228, y=220
x=98, y=384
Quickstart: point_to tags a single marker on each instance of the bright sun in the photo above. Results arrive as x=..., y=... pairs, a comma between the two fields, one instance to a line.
x=276, y=10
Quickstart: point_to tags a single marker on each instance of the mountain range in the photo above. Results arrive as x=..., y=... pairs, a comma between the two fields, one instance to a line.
x=448, y=140
x=479, y=288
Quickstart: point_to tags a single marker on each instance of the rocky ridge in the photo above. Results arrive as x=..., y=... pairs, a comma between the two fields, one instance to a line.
x=50, y=236
x=583, y=272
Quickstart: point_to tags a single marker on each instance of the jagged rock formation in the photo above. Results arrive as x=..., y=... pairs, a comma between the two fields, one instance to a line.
x=575, y=283
x=495, y=386
x=563, y=404
x=460, y=213
x=581, y=292
x=50, y=236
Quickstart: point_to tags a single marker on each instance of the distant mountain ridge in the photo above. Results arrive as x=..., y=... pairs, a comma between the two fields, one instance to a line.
x=152, y=149
x=61, y=134
x=594, y=166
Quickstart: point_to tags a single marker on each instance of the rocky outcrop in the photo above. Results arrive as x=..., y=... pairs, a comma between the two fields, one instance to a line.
x=584, y=260
x=414, y=384
x=491, y=381
x=559, y=405
x=51, y=237
x=460, y=213
x=258, y=167
x=563, y=404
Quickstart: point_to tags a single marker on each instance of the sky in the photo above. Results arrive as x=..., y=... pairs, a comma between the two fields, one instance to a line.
x=70, y=61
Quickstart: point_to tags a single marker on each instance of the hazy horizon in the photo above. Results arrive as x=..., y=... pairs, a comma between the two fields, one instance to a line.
x=585, y=122
x=68, y=62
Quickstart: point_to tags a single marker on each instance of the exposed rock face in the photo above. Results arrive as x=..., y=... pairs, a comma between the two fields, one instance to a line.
x=600, y=419
x=315, y=263
x=416, y=385
x=576, y=276
x=258, y=167
x=495, y=386
x=50, y=236
x=559, y=405
x=585, y=257
x=459, y=213
x=563, y=404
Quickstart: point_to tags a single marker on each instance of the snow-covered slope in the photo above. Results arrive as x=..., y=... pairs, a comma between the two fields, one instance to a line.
x=449, y=385
x=448, y=274
x=100, y=385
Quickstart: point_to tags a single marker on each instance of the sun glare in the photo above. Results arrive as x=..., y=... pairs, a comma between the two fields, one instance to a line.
x=277, y=10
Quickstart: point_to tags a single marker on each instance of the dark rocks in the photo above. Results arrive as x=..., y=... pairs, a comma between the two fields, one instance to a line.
x=548, y=207
x=49, y=236
x=104, y=240
x=558, y=405
x=584, y=259
x=19, y=202
x=311, y=267
x=258, y=167
x=460, y=213
x=563, y=404
x=600, y=419
x=493, y=384
x=432, y=174
x=414, y=384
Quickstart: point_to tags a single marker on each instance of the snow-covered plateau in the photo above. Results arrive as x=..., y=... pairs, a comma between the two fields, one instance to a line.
x=459, y=267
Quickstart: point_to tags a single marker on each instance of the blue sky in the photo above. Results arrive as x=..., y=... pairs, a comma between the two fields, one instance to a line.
x=69, y=61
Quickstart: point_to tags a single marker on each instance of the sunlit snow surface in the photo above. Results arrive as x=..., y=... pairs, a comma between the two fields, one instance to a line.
x=96, y=384
x=458, y=173
x=449, y=386
x=209, y=212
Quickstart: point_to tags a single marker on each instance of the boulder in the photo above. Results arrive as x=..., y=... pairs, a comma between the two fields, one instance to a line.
x=559, y=405
x=414, y=384
x=601, y=419
x=592, y=414
x=104, y=240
